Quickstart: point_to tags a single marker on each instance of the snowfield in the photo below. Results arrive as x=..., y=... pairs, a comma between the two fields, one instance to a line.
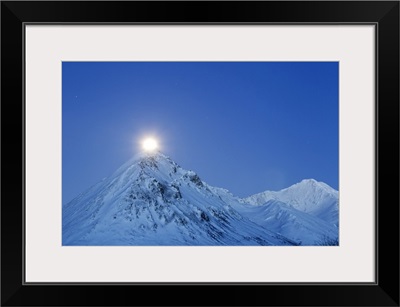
x=151, y=200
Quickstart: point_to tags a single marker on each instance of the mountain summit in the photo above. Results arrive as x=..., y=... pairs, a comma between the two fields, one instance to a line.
x=151, y=200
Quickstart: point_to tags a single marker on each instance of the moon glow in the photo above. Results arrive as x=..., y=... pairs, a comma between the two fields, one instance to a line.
x=149, y=144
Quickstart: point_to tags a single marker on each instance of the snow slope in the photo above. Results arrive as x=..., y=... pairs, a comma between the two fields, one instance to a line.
x=151, y=200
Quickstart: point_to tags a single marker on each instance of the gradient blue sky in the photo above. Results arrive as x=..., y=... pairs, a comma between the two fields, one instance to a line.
x=244, y=126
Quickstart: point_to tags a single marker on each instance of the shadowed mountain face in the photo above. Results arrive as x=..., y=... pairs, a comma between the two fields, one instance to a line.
x=152, y=201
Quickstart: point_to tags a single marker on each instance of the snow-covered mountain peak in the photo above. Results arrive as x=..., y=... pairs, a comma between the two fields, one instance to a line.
x=150, y=159
x=320, y=184
x=155, y=161
x=309, y=195
x=310, y=187
x=150, y=164
x=156, y=156
x=312, y=183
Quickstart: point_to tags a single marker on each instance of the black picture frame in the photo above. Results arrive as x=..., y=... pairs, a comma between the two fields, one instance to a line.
x=383, y=14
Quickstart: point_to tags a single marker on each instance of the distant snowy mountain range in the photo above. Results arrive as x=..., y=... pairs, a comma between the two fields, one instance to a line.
x=151, y=200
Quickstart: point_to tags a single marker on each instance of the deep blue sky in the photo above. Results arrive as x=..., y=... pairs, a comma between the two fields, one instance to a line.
x=244, y=126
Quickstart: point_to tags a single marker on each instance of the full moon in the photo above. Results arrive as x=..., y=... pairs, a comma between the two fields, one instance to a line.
x=149, y=144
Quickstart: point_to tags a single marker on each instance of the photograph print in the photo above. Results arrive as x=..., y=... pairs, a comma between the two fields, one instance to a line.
x=200, y=154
